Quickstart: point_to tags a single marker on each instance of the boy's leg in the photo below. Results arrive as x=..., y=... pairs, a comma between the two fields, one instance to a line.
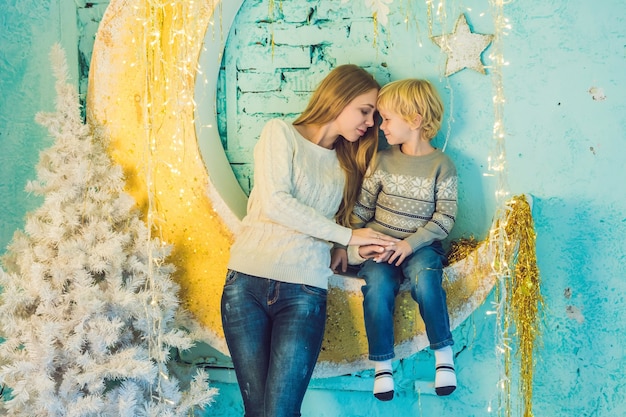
x=445, y=375
x=425, y=270
x=383, y=380
x=382, y=283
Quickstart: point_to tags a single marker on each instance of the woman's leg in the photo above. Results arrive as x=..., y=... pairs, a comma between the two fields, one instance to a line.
x=299, y=316
x=247, y=328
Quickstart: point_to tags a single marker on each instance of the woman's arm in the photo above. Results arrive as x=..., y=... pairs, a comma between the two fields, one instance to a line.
x=273, y=180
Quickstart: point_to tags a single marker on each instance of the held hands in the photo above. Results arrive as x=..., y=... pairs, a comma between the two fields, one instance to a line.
x=375, y=252
x=370, y=242
x=397, y=252
x=373, y=245
x=367, y=236
x=339, y=256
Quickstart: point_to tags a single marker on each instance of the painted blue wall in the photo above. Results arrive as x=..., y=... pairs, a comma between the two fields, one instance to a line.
x=565, y=87
x=26, y=34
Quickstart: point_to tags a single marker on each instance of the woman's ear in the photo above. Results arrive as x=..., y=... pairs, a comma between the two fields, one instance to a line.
x=416, y=122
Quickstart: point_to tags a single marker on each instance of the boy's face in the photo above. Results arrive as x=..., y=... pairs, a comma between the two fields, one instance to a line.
x=397, y=130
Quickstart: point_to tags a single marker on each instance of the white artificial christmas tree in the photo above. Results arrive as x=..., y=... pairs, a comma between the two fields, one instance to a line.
x=88, y=305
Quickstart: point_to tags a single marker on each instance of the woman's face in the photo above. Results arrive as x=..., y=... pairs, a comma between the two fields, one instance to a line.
x=357, y=116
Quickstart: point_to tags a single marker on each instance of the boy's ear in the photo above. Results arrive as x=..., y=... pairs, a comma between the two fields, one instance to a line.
x=416, y=122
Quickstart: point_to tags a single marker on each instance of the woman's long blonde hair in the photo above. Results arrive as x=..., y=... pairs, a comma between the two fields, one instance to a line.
x=342, y=85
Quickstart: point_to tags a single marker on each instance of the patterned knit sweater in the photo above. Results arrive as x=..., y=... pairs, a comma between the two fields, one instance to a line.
x=409, y=197
x=285, y=234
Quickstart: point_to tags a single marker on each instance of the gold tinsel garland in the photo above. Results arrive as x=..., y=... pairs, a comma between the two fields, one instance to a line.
x=523, y=297
x=461, y=249
x=519, y=298
x=515, y=237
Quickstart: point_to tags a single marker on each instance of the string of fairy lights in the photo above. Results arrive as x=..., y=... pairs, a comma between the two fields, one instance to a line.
x=498, y=238
x=168, y=31
x=169, y=77
x=150, y=38
x=518, y=299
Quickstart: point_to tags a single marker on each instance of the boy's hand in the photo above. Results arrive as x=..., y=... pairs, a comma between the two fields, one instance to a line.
x=401, y=251
x=371, y=251
x=375, y=252
x=338, y=258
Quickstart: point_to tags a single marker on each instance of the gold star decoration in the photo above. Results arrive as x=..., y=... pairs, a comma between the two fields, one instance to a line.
x=463, y=47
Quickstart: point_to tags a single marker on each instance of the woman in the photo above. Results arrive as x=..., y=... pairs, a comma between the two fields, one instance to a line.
x=306, y=179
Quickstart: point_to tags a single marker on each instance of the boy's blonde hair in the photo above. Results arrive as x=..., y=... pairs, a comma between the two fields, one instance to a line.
x=412, y=97
x=342, y=85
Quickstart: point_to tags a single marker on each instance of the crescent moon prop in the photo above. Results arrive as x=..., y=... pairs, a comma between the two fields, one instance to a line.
x=175, y=164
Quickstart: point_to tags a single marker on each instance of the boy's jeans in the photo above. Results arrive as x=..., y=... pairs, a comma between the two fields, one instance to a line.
x=274, y=331
x=424, y=268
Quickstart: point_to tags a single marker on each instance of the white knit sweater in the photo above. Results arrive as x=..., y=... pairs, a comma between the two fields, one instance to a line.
x=285, y=234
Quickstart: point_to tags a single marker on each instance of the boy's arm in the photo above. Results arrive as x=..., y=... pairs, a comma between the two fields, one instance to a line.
x=444, y=216
x=365, y=206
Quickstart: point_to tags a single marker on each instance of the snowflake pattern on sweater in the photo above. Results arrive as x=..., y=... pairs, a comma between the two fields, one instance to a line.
x=409, y=197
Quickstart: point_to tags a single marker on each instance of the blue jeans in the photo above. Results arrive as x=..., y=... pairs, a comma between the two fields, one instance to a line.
x=274, y=332
x=424, y=268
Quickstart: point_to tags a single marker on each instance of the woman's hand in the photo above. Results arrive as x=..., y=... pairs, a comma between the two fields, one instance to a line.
x=339, y=258
x=367, y=236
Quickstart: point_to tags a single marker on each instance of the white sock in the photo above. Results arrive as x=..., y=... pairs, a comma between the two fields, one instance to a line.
x=383, y=381
x=445, y=377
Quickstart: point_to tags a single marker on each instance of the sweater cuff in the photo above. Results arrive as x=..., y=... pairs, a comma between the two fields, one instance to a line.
x=353, y=256
x=343, y=236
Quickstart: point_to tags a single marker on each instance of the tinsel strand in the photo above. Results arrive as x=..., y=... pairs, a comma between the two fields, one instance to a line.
x=520, y=300
x=525, y=296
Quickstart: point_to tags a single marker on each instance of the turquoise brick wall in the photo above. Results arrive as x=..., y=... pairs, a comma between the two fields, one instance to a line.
x=275, y=58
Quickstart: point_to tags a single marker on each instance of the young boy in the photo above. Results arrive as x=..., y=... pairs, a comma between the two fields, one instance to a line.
x=411, y=194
